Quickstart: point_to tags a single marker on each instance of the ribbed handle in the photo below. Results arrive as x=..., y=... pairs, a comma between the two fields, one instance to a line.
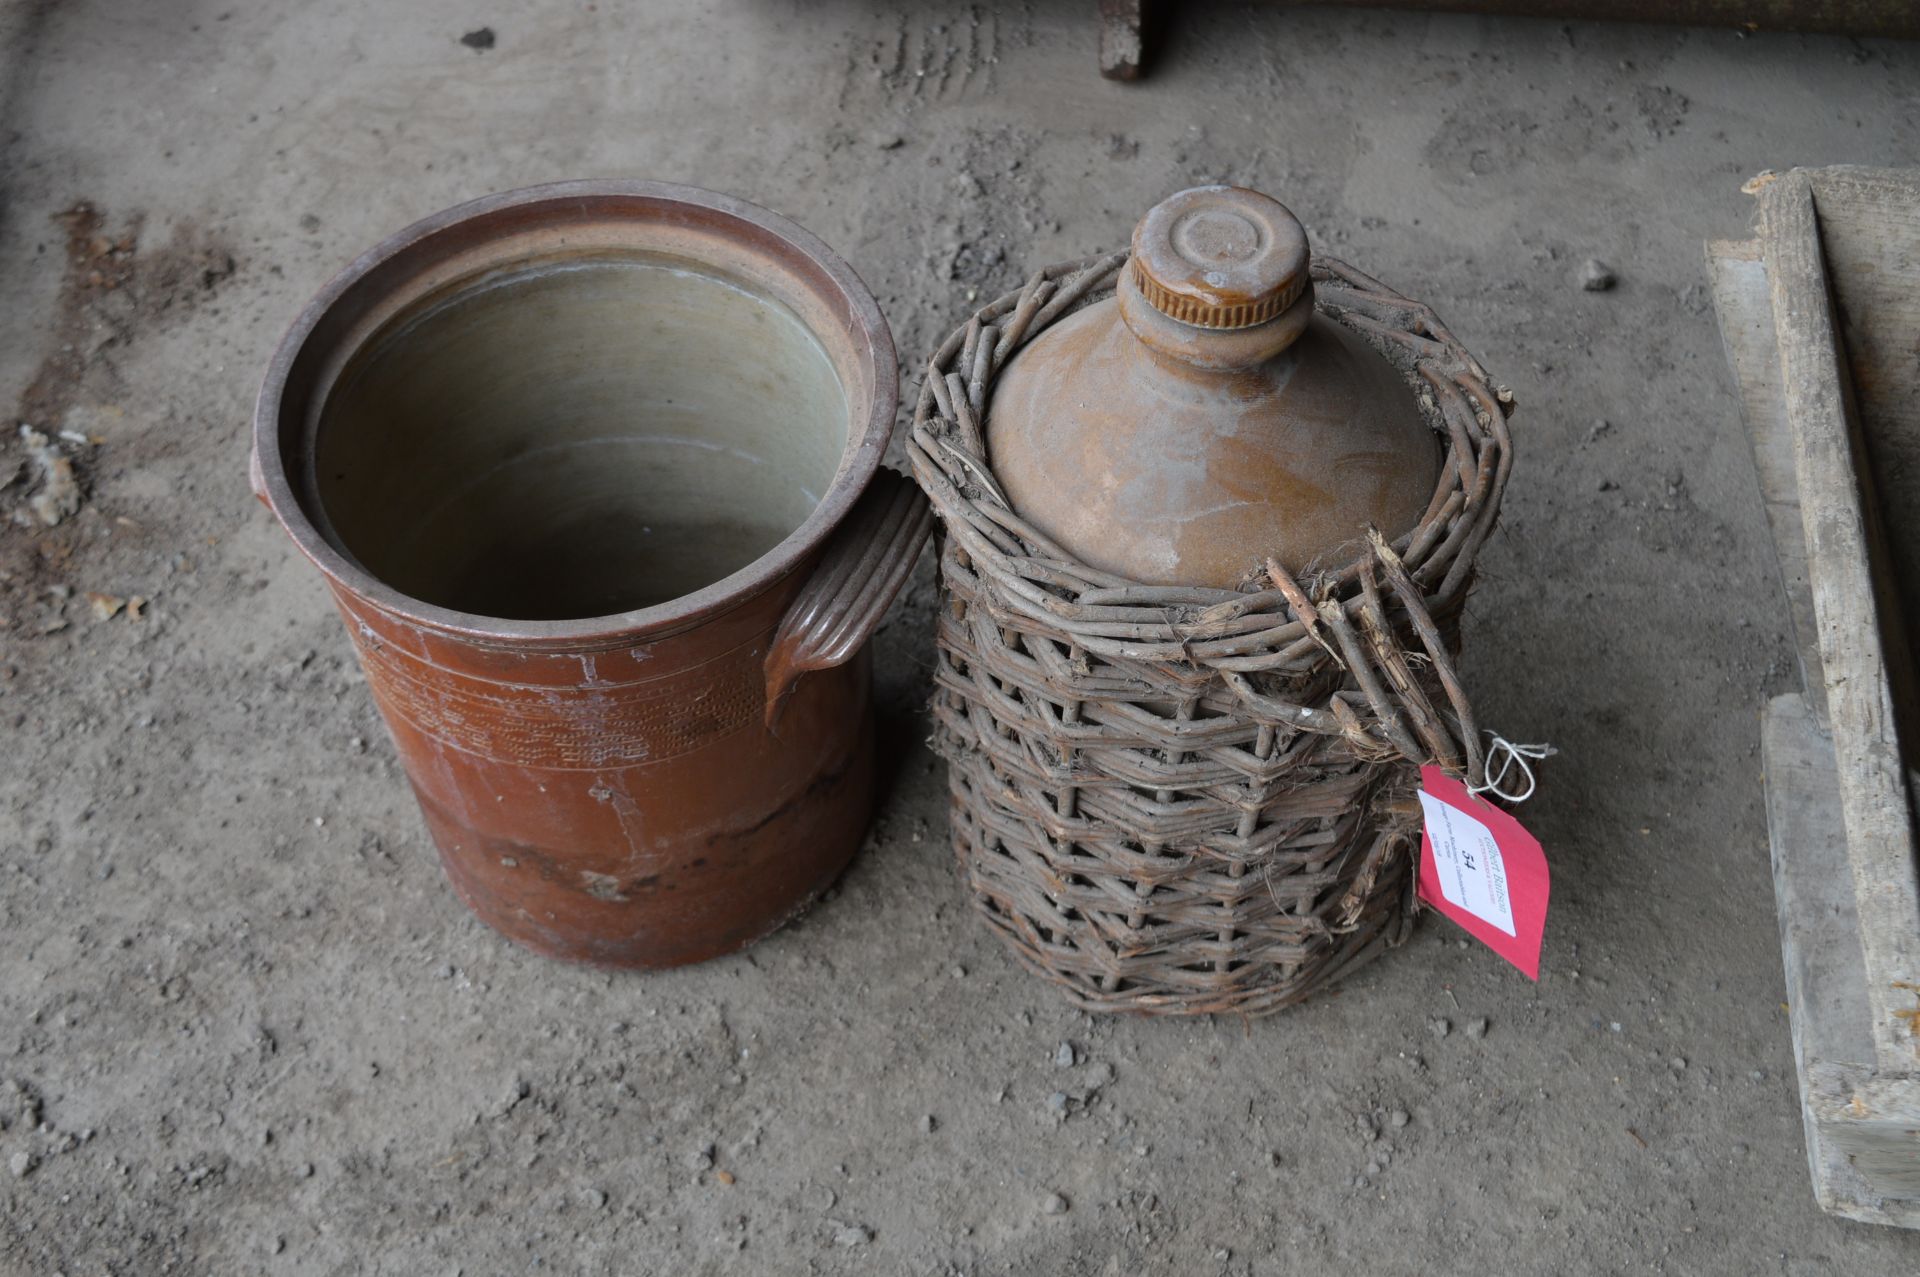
x=866, y=562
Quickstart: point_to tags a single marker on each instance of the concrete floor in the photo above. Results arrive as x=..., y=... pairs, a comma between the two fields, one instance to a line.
x=245, y=1027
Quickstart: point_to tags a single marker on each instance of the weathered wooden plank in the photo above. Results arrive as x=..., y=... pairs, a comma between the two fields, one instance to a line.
x=1872, y=1121
x=1122, y=50
x=1848, y=607
x=1741, y=300
x=1870, y=239
x=1826, y=980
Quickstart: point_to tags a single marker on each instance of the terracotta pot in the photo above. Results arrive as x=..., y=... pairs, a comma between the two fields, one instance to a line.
x=593, y=472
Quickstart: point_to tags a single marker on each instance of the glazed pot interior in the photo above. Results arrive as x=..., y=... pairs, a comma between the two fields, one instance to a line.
x=578, y=435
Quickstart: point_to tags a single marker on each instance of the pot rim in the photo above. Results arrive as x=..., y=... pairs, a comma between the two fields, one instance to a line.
x=793, y=246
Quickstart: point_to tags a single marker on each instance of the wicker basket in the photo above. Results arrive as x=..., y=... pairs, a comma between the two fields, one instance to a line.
x=1178, y=800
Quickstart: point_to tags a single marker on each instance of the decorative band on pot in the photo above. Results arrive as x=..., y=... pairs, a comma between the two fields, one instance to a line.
x=593, y=472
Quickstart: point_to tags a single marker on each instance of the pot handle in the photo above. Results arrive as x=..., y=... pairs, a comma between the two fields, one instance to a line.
x=866, y=562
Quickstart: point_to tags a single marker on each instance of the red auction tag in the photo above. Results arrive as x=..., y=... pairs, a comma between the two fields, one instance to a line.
x=1480, y=868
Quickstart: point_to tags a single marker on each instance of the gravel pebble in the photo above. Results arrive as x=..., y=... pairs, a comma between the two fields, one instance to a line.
x=1055, y=1204
x=517, y=1089
x=1439, y=1026
x=1477, y=1027
x=1596, y=276
x=20, y=1164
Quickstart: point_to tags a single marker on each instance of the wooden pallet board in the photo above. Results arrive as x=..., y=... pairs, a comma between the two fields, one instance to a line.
x=1825, y=969
x=1738, y=276
x=1819, y=315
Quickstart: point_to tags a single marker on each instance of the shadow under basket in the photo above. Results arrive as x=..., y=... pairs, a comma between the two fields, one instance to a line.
x=1179, y=800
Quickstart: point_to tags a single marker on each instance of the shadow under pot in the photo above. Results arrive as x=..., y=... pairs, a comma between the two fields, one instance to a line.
x=593, y=472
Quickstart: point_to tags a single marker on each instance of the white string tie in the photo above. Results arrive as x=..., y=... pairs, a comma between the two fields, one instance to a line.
x=1510, y=756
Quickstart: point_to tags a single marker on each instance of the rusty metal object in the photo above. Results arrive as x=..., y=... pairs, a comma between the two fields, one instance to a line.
x=592, y=470
x=1205, y=418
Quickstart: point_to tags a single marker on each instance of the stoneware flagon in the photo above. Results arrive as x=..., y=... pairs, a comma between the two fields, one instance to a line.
x=593, y=473
x=1212, y=509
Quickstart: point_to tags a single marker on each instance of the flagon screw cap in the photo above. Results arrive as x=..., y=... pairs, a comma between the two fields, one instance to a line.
x=1220, y=257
